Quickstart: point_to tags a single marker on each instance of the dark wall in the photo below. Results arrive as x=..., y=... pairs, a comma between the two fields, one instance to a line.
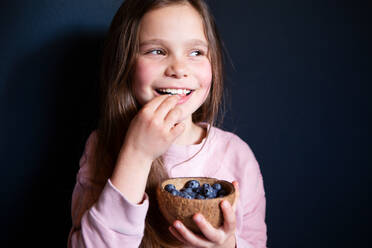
x=299, y=95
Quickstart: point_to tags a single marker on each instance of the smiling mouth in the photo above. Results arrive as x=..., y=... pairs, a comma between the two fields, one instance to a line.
x=182, y=92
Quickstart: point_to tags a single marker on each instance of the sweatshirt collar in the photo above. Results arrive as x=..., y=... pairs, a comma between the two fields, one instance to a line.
x=177, y=154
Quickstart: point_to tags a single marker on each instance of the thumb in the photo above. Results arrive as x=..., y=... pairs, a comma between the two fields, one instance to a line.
x=237, y=194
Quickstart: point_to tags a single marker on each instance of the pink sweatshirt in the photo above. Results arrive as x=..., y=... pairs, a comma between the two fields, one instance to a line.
x=113, y=221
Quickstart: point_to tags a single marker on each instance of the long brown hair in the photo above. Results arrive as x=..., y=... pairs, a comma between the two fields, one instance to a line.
x=119, y=106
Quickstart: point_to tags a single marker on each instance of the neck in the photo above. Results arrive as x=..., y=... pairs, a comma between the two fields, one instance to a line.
x=192, y=135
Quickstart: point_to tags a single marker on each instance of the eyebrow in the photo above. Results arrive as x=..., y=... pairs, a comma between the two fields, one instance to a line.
x=192, y=42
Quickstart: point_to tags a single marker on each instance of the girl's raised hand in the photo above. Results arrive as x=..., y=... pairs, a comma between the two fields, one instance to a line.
x=150, y=134
x=223, y=237
x=155, y=127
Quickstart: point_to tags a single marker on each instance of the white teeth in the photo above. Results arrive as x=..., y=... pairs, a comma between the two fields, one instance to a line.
x=175, y=91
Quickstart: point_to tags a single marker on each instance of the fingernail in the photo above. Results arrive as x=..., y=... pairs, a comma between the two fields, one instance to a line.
x=225, y=204
x=177, y=224
x=198, y=218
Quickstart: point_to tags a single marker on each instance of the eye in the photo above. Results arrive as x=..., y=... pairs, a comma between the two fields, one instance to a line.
x=156, y=52
x=196, y=53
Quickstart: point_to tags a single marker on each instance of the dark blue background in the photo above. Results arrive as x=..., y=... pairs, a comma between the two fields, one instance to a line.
x=298, y=94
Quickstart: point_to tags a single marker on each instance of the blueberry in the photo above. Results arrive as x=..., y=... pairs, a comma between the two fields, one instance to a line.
x=193, y=190
x=215, y=193
x=211, y=194
x=175, y=192
x=217, y=186
x=222, y=192
x=182, y=194
x=206, y=185
x=193, y=194
x=187, y=190
x=185, y=195
x=169, y=187
x=198, y=190
x=193, y=184
x=200, y=197
x=207, y=189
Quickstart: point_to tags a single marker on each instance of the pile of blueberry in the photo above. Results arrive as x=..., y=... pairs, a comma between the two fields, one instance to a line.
x=193, y=190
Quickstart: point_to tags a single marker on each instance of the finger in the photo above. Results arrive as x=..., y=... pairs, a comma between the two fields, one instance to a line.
x=237, y=194
x=166, y=105
x=152, y=105
x=173, y=116
x=177, y=130
x=207, y=229
x=177, y=235
x=229, y=221
x=189, y=236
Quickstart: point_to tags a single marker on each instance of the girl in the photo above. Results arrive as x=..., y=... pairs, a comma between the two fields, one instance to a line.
x=162, y=87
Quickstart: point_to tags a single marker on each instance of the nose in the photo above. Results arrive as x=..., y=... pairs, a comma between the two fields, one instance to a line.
x=177, y=68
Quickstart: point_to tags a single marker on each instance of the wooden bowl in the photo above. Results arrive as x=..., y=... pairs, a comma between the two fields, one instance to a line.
x=178, y=208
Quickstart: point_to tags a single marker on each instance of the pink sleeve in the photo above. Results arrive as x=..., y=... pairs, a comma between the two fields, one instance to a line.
x=111, y=221
x=251, y=231
x=253, y=227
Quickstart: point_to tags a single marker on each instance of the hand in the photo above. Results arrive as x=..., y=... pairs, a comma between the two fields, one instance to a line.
x=149, y=135
x=155, y=127
x=223, y=237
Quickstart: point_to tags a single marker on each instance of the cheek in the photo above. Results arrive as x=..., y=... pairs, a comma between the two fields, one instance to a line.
x=205, y=77
x=144, y=73
x=205, y=74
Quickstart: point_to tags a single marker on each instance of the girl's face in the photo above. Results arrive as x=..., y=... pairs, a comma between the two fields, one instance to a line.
x=173, y=58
